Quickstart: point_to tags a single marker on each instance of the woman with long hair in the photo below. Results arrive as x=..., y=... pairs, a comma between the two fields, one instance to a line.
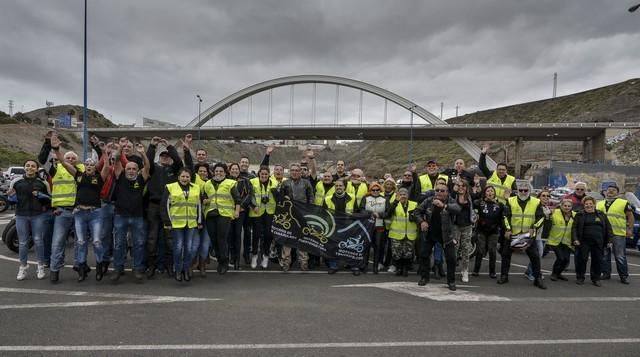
x=376, y=204
x=261, y=216
x=490, y=223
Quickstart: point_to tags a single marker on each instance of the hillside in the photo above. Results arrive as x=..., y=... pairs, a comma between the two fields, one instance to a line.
x=618, y=102
x=39, y=116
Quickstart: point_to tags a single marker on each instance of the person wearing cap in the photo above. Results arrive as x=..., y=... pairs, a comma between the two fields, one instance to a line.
x=357, y=186
x=342, y=205
x=428, y=180
x=63, y=200
x=499, y=179
x=164, y=172
x=377, y=205
x=435, y=218
x=522, y=214
x=620, y=216
x=578, y=194
x=403, y=232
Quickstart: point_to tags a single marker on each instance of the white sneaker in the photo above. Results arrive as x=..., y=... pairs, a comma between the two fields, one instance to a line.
x=465, y=276
x=22, y=272
x=265, y=261
x=254, y=261
x=392, y=269
x=40, y=273
x=380, y=267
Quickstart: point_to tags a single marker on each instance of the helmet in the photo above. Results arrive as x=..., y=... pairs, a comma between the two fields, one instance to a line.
x=521, y=242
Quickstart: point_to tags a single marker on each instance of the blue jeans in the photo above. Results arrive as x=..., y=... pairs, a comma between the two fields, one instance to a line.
x=63, y=222
x=36, y=225
x=47, y=239
x=619, y=246
x=437, y=253
x=201, y=244
x=122, y=224
x=107, y=232
x=88, y=221
x=182, y=247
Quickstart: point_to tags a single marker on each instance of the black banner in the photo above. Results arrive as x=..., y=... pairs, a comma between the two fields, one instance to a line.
x=321, y=232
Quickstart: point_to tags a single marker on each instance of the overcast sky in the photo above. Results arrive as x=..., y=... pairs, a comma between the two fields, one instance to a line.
x=151, y=57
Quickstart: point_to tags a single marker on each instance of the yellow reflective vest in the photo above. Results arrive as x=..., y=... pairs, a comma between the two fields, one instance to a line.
x=63, y=192
x=260, y=192
x=349, y=206
x=616, y=215
x=401, y=227
x=521, y=220
x=183, y=211
x=560, y=232
x=321, y=195
x=501, y=188
x=275, y=182
x=425, y=182
x=363, y=189
x=220, y=199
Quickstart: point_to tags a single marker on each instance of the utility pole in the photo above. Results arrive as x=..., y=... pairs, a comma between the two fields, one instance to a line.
x=10, y=107
x=457, y=106
x=555, y=83
x=441, y=110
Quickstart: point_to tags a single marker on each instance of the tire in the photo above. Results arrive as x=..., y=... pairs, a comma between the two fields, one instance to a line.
x=4, y=205
x=10, y=237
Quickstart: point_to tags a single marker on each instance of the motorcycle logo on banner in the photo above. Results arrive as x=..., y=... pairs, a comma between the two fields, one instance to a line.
x=321, y=232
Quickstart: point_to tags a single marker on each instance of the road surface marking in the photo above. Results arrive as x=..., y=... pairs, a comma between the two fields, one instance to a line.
x=280, y=346
x=129, y=299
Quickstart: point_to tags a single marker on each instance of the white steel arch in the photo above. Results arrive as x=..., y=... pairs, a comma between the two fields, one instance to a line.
x=223, y=104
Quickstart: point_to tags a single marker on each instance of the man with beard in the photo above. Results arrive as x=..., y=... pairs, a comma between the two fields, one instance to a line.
x=522, y=214
x=340, y=173
x=428, y=180
x=129, y=211
x=503, y=183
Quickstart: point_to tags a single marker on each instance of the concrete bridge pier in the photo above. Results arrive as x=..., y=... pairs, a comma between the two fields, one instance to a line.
x=517, y=157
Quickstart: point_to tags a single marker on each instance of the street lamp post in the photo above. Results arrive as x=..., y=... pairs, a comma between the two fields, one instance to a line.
x=552, y=136
x=85, y=120
x=199, y=113
x=634, y=8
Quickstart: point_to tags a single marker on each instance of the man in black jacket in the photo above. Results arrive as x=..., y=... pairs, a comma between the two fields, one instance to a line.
x=434, y=217
x=161, y=173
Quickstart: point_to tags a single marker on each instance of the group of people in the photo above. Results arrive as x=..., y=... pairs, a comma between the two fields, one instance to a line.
x=178, y=213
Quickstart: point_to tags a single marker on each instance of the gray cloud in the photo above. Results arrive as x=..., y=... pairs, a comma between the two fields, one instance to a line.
x=150, y=58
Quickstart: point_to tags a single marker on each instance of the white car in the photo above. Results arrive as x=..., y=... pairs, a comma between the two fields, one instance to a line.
x=13, y=172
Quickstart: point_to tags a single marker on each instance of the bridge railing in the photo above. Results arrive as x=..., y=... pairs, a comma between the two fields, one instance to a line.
x=617, y=125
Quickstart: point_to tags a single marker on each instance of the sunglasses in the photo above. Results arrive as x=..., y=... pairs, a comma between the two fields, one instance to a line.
x=375, y=190
x=579, y=189
x=544, y=196
x=441, y=190
x=523, y=190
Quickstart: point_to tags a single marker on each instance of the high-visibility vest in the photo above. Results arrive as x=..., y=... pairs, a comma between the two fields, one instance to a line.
x=349, y=206
x=425, y=182
x=521, y=221
x=260, y=192
x=321, y=195
x=560, y=229
x=501, y=188
x=616, y=215
x=221, y=198
x=363, y=189
x=387, y=222
x=400, y=227
x=63, y=192
x=275, y=182
x=183, y=211
x=199, y=181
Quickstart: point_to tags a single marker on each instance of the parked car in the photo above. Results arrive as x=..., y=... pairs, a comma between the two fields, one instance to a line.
x=13, y=172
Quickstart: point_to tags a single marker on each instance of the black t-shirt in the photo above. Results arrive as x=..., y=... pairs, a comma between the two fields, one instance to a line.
x=88, y=189
x=128, y=196
x=435, y=226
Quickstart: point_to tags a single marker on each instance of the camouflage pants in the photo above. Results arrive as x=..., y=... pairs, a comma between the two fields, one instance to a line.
x=285, y=258
x=463, y=236
x=401, y=249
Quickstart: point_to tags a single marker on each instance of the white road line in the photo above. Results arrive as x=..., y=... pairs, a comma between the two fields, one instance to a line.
x=130, y=299
x=278, y=346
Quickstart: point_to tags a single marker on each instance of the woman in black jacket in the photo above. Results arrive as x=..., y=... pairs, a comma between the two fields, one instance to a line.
x=591, y=231
x=490, y=222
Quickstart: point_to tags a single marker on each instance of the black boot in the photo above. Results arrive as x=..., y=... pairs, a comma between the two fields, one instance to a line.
x=99, y=271
x=54, y=276
x=186, y=275
x=178, y=276
x=539, y=283
x=223, y=266
x=406, y=267
x=105, y=267
x=151, y=272
x=424, y=279
x=503, y=279
x=115, y=276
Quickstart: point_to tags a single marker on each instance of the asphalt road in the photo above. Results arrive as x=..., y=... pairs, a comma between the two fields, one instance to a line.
x=250, y=313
